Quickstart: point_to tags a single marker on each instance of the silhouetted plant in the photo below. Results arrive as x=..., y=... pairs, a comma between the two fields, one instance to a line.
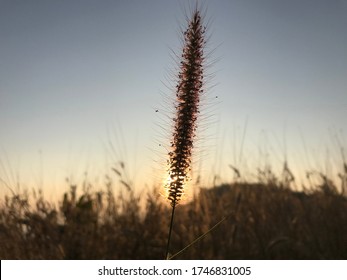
x=188, y=92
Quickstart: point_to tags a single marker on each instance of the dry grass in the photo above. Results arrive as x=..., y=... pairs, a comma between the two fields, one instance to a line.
x=264, y=221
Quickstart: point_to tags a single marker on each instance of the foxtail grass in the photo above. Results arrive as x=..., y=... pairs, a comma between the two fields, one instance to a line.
x=187, y=101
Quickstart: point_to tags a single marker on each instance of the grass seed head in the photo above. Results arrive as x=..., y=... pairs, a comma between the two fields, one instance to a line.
x=188, y=91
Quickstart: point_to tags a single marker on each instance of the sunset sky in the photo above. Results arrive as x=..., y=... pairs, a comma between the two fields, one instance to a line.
x=78, y=74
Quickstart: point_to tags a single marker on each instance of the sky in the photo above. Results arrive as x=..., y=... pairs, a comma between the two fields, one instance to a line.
x=80, y=83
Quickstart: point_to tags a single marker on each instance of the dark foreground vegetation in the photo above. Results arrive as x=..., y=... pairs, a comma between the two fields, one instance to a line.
x=262, y=221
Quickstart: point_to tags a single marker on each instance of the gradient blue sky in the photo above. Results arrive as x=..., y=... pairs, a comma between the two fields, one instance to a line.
x=75, y=74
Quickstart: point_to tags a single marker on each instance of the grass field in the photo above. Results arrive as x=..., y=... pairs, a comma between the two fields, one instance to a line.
x=259, y=221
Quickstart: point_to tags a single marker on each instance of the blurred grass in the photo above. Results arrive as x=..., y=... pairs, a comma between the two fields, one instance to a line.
x=265, y=220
